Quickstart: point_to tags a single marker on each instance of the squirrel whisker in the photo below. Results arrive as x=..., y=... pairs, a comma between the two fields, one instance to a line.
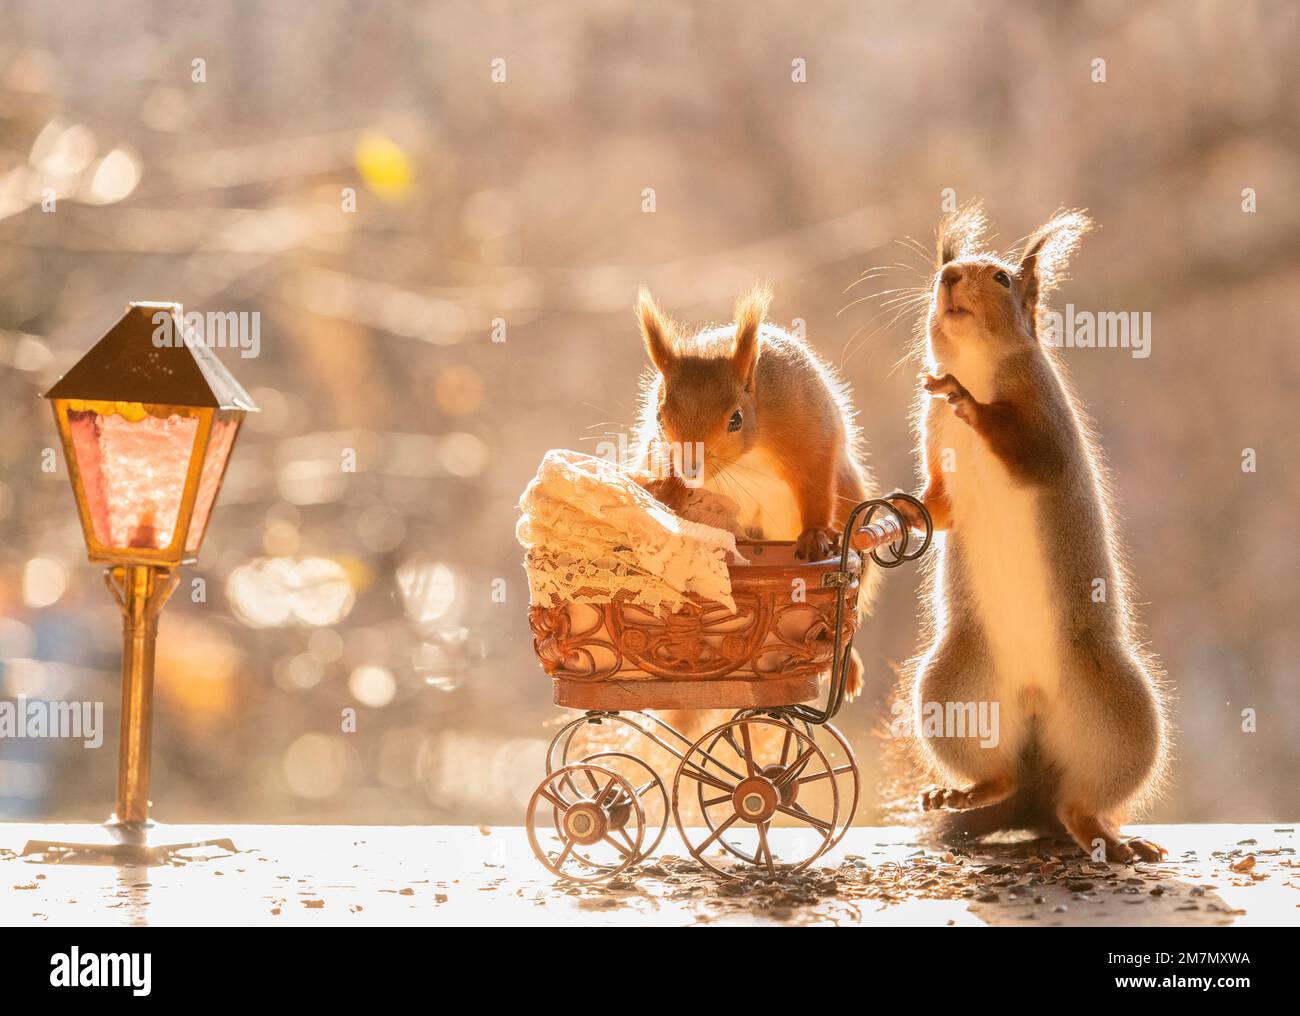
x=904, y=306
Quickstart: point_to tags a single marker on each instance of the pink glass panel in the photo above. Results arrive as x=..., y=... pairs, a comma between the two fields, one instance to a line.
x=133, y=473
x=220, y=441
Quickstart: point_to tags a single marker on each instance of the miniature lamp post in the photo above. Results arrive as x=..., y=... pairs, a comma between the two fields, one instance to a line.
x=148, y=421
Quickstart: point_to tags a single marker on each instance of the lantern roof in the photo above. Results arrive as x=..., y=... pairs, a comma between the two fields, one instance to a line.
x=145, y=358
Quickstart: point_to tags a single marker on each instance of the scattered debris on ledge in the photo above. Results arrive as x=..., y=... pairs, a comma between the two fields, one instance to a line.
x=337, y=875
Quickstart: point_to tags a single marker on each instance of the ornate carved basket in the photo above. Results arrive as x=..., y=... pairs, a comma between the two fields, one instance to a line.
x=771, y=652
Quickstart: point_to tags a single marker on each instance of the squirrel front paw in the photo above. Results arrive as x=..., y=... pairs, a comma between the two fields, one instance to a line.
x=948, y=387
x=912, y=515
x=816, y=543
x=670, y=491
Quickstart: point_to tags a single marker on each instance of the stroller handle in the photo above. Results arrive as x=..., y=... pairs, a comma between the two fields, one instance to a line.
x=878, y=534
x=886, y=539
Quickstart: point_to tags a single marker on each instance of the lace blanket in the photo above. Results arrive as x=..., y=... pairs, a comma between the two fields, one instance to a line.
x=591, y=530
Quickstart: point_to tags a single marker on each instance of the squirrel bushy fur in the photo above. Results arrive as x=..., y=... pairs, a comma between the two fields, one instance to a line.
x=1028, y=602
x=775, y=423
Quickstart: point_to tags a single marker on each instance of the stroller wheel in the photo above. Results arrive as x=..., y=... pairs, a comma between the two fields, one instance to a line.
x=597, y=824
x=844, y=769
x=650, y=791
x=756, y=772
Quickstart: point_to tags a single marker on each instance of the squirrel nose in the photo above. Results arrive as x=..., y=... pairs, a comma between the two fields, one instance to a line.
x=950, y=275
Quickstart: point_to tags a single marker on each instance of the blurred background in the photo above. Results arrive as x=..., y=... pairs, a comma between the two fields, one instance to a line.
x=362, y=177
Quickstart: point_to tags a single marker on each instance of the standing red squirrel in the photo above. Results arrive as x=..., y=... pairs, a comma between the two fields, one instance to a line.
x=774, y=422
x=1029, y=604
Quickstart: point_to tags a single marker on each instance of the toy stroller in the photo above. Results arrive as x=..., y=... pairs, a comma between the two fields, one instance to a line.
x=593, y=817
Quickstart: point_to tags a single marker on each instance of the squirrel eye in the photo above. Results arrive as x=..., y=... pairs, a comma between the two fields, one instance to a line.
x=735, y=421
x=1002, y=279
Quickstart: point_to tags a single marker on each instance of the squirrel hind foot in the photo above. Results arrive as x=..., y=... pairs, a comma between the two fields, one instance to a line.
x=854, y=682
x=977, y=795
x=1090, y=832
x=1145, y=850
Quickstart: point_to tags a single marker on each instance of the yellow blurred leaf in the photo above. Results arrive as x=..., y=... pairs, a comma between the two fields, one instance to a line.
x=384, y=166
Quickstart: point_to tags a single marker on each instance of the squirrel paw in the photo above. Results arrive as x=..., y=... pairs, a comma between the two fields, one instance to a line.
x=911, y=514
x=948, y=387
x=978, y=795
x=1089, y=831
x=670, y=491
x=854, y=682
x=946, y=799
x=1143, y=850
x=816, y=543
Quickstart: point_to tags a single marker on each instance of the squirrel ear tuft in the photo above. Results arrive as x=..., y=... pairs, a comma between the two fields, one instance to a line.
x=960, y=233
x=751, y=308
x=656, y=331
x=1047, y=256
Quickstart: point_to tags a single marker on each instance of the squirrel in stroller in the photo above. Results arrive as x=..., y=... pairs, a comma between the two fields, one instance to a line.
x=750, y=411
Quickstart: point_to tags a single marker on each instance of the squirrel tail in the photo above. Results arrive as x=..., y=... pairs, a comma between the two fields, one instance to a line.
x=1032, y=808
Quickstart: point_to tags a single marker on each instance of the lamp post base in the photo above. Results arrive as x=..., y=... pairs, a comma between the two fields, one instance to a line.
x=140, y=591
x=121, y=843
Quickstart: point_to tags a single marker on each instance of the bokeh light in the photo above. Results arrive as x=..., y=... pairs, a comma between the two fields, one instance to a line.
x=44, y=581
x=276, y=591
x=316, y=765
x=372, y=685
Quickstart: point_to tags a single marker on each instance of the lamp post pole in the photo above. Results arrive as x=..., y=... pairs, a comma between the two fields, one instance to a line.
x=140, y=591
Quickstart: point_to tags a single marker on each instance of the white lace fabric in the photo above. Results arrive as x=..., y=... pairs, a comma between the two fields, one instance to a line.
x=592, y=532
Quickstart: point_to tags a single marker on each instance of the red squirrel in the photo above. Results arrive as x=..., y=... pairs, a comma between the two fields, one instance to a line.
x=1029, y=603
x=774, y=422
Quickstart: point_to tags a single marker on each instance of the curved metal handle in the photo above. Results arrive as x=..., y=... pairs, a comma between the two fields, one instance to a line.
x=894, y=530
x=891, y=533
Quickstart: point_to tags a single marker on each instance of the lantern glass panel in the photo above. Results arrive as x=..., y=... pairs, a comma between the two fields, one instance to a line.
x=133, y=460
x=220, y=442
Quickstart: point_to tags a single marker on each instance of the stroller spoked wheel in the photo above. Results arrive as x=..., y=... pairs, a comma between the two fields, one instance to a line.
x=648, y=787
x=597, y=826
x=756, y=771
x=706, y=795
x=844, y=771
x=845, y=774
